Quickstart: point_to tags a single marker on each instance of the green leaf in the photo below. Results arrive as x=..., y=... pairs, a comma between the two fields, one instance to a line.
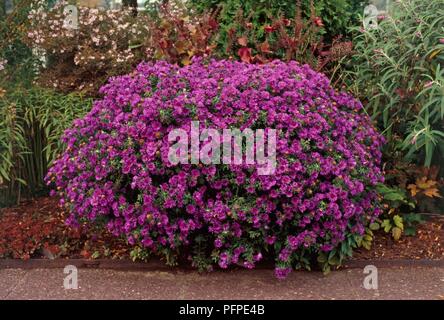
x=334, y=260
x=387, y=225
x=366, y=244
x=396, y=233
x=134, y=46
x=326, y=269
x=398, y=222
x=322, y=258
x=410, y=231
x=374, y=226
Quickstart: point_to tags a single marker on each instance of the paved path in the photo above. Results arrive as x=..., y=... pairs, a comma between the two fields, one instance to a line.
x=394, y=283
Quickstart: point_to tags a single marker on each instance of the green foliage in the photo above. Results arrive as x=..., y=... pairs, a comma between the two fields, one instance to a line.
x=337, y=15
x=200, y=259
x=138, y=253
x=287, y=30
x=395, y=219
x=411, y=220
x=31, y=124
x=336, y=257
x=20, y=66
x=367, y=238
x=394, y=196
x=398, y=73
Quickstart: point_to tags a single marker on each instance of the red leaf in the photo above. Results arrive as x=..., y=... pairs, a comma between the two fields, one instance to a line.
x=286, y=22
x=318, y=21
x=213, y=23
x=268, y=28
x=245, y=54
x=85, y=254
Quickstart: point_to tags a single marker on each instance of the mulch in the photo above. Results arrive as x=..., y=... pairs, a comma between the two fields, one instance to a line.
x=428, y=243
x=36, y=229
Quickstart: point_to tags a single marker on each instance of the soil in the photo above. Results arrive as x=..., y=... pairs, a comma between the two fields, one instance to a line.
x=36, y=229
x=428, y=243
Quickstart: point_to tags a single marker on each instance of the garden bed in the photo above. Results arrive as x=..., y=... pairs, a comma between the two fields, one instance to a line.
x=428, y=244
x=36, y=229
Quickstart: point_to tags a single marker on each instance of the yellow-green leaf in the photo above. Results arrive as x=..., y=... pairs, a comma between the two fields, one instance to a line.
x=386, y=224
x=366, y=244
x=374, y=226
x=396, y=233
x=397, y=220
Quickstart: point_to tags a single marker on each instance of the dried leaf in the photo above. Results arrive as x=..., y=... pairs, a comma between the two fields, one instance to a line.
x=243, y=41
x=180, y=47
x=423, y=183
x=265, y=47
x=432, y=192
x=186, y=61
x=413, y=189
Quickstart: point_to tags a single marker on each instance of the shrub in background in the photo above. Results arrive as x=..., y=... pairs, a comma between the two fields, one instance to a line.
x=112, y=42
x=31, y=123
x=288, y=30
x=178, y=34
x=286, y=39
x=397, y=71
x=336, y=15
x=106, y=43
x=116, y=170
x=17, y=64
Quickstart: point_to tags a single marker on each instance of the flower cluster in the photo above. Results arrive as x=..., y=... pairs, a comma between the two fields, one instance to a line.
x=95, y=36
x=87, y=46
x=90, y=41
x=116, y=168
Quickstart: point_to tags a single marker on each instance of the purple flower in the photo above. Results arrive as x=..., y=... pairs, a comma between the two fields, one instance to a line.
x=218, y=243
x=328, y=157
x=282, y=273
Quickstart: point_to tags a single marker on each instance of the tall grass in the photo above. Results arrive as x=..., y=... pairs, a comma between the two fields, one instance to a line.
x=32, y=121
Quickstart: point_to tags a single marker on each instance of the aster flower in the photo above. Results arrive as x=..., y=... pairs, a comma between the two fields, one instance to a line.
x=116, y=163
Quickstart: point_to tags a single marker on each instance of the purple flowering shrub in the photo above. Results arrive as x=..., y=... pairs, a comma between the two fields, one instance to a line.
x=317, y=203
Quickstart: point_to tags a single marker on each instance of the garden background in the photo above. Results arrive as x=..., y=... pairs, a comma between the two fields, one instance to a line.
x=50, y=75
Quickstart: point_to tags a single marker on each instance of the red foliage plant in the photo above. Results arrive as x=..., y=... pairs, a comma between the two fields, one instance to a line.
x=286, y=39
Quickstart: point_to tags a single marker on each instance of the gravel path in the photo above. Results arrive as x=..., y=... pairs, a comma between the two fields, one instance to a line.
x=393, y=283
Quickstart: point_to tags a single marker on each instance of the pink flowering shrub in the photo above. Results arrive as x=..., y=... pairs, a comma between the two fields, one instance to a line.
x=316, y=204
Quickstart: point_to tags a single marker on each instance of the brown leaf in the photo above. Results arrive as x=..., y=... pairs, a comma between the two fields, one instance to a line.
x=186, y=61
x=432, y=192
x=265, y=47
x=260, y=59
x=413, y=189
x=180, y=47
x=423, y=183
x=243, y=41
